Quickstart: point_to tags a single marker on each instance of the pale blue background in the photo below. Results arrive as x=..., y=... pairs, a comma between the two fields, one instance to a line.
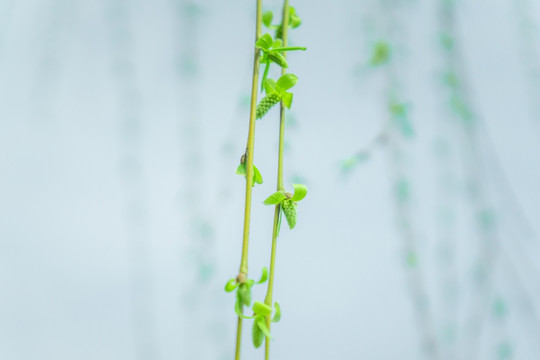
x=121, y=214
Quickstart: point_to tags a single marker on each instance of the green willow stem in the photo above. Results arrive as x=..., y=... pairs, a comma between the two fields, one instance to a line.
x=280, y=186
x=293, y=48
x=238, y=338
x=242, y=276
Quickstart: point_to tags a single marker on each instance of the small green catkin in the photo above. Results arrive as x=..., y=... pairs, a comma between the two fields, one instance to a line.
x=244, y=292
x=279, y=32
x=289, y=209
x=266, y=104
x=256, y=335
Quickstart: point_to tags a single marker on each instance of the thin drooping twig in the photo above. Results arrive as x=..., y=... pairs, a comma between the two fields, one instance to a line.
x=400, y=128
x=280, y=185
x=466, y=126
x=530, y=53
x=243, y=273
x=447, y=241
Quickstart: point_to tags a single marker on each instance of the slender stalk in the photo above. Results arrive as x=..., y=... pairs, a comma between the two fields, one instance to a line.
x=250, y=146
x=486, y=228
x=280, y=186
x=238, y=338
x=242, y=276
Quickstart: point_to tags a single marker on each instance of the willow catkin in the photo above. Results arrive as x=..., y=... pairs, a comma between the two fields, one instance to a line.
x=244, y=293
x=256, y=335
x=266, y=104
x=279, y=32
x=289, y=209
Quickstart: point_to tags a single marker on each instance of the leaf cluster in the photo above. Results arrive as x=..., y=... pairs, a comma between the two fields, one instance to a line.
x=260, y=312
x=287, y=203
x=273, y=49
x=280, y=87
x=272, y=52
x=294, y=21
x=243, y=290
x=257, y=177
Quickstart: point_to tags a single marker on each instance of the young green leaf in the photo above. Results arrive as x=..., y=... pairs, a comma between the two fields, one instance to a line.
x=267, y=18
x=300, y=192
x=265, y=42
x=278, y=58
x=269, y=86
x=381, y=53
x=286, y=98
x=241, y=169
x=261, y=309
x=277, y=315
x=277, y=44
x=238, y=305
x=294, y=20
x=257, y=177
x=285, y=82
x=238, y=310
x=261, y=323
x=264, y=276
x=231, y=285
x=275, y=198
x=289, y=48
x=256, y=335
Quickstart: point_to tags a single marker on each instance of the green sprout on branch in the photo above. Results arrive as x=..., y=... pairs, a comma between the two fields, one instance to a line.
x=272, y=53
x=276, y=92
x=294, y=22
x=267, y=51
x=260, y=312
x=288, y=202
x=241, y=170
x=243, y=290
